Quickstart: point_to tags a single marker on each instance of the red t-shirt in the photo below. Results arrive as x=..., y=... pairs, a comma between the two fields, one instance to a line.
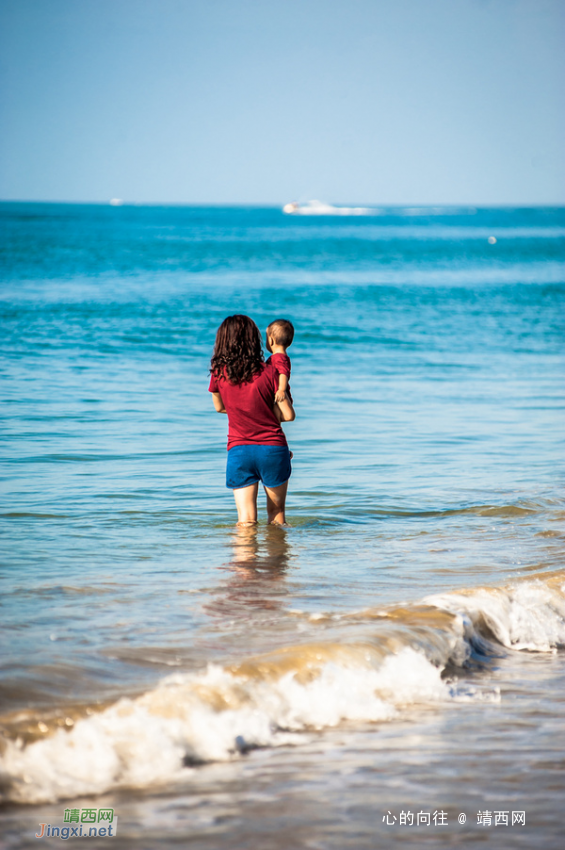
x=251, y=418
x=281, y=362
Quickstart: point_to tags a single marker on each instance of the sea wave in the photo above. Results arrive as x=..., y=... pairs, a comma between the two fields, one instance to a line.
x=271, y=700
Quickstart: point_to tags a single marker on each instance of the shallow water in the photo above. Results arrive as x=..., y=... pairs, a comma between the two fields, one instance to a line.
x=357, y=666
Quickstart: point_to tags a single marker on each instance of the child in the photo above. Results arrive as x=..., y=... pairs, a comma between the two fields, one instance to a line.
x=280, y=334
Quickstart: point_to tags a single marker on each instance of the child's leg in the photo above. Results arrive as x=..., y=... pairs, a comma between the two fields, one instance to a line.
x=276, y=501
x=281, y=393
x=246, y=504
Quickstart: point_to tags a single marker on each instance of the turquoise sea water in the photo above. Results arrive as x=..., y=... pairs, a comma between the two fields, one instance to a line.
x=428, y=383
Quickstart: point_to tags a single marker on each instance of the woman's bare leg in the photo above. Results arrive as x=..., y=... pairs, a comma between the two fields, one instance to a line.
x=276, y=500
x=246, y=504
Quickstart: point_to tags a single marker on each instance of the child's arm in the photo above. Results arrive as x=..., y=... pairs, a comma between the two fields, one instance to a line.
x=280, y=395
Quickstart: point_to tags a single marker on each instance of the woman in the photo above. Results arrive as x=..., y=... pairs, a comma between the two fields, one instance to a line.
x=244, y=387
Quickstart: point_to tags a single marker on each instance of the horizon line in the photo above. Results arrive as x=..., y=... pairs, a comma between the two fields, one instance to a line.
x=122, y=202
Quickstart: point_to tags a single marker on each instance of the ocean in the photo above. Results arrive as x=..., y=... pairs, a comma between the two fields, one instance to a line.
x=386, y=672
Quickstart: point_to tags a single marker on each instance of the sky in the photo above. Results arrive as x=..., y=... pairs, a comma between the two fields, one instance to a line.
x=268, y=101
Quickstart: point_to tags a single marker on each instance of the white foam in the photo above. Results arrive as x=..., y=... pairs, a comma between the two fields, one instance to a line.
x=216, y=714
x=145, y=742
x=528, y=615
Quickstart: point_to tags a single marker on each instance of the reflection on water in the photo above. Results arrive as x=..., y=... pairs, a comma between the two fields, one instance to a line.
x=261, y=549
x=260, y=557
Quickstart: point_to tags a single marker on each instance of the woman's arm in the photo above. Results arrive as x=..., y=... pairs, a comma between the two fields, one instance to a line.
x=218, y=403
x=284, y=411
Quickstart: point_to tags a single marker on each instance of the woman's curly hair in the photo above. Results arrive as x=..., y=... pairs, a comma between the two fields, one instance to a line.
x=238, y=352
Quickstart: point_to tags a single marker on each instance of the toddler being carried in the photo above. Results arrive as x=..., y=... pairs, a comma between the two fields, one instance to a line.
x=280, y=334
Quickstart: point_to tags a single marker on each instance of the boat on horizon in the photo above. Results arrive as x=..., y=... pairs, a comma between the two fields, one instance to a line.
x=320, y=208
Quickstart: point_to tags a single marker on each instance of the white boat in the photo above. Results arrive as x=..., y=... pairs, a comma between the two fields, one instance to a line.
x=319, y=208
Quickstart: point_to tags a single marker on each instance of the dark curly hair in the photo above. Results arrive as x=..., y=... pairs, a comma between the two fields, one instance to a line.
x=238, y=353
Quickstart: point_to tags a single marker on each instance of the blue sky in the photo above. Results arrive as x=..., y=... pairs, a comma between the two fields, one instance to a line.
x=266, y=101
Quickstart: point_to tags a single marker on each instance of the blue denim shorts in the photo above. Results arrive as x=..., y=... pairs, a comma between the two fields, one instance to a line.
x=249, y=464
